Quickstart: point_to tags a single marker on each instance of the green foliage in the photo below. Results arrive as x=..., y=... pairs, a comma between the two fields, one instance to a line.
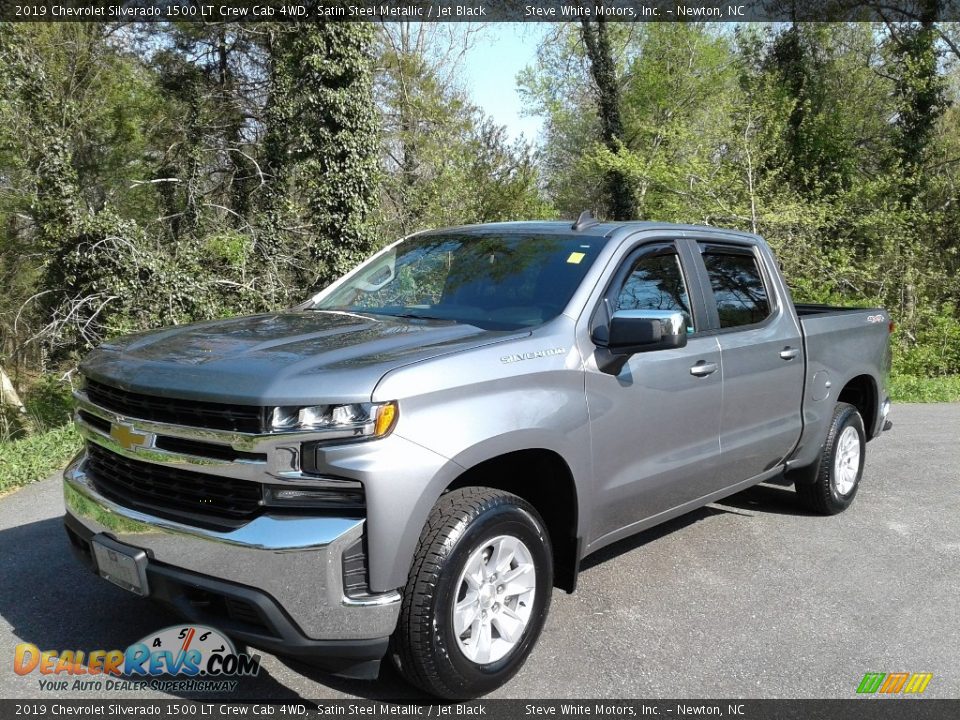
x=501, y=180
x=168, y=173
x=446, y=164
x=49, y=402
x=835, y=141
x=228, y=249
x=933, y=345
x=34, y=458
x=913, y=389
x=321, y=147
x=96, y=274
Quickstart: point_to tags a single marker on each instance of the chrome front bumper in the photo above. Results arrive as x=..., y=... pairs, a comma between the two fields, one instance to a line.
x=295, y=560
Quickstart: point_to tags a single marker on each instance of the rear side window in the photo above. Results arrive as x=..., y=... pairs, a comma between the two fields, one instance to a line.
x=737, y=287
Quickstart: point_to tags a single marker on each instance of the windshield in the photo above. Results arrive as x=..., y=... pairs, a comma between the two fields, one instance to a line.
x=497, y=282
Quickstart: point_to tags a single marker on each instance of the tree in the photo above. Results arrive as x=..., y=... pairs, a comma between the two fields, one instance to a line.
x=679, y=85
x=836, y=141
x=70, y=98
x=426, y=123
x=320, y=149
x=444, y=162
x=919, y=91
x=212, y=77
x=596, y=39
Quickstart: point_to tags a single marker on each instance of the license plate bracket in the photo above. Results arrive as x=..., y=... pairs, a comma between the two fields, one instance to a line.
x=123, y=565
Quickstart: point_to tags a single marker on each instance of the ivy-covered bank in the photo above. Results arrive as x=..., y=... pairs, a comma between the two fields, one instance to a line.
x=166, y=173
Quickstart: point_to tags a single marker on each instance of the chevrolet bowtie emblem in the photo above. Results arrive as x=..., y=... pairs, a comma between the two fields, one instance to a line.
x=126, y=437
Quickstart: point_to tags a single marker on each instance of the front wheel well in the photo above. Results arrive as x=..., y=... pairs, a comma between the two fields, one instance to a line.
x=542, y=478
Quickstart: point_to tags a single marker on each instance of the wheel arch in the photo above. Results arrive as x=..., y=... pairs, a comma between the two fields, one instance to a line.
x=861, y=392
x=544, y=479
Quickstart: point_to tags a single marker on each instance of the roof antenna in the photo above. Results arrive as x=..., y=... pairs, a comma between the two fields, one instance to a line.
x=585, y=220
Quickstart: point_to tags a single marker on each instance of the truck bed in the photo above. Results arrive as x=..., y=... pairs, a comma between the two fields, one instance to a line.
x=842, y=344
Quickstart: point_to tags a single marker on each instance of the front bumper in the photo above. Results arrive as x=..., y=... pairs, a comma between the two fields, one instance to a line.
x=286, y=570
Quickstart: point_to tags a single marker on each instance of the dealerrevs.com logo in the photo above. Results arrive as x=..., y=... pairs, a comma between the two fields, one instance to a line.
x=202, y=656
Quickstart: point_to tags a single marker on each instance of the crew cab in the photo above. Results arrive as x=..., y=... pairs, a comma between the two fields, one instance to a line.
x=410, y=461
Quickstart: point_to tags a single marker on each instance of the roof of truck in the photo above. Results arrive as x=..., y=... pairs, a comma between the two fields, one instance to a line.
x=597, y=230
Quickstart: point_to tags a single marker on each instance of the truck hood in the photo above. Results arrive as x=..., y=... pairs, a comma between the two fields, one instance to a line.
x=290, y=358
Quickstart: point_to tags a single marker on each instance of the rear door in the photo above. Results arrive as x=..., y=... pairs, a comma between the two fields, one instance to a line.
x=655, y=424
x=762, y=351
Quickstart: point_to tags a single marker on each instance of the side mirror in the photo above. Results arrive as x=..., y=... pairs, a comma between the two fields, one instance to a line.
x=636, y=331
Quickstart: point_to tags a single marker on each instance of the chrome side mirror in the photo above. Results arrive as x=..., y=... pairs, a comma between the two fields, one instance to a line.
x=634, y=331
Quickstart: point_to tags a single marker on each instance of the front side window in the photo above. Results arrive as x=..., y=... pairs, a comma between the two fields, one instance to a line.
x=656, y=282
x=497, y=282
x=738, y=287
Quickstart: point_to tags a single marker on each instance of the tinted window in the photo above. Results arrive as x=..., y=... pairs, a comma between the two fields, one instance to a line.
x=492, y=281
x=737, y=287
x=656, y=282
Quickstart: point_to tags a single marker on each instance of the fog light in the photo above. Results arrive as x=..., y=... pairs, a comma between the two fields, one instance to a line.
x=344, y=494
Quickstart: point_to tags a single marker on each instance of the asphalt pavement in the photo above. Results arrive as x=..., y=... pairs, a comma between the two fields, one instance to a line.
x=751, y=597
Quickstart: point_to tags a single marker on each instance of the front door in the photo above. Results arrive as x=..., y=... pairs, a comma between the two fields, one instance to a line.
x=654, y=425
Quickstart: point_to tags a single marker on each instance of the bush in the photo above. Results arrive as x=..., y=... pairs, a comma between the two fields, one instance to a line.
x=111, y=279
x=930, y=344
x=910, y=388
x=49, y=403
x=101, y=270
x=35, y=457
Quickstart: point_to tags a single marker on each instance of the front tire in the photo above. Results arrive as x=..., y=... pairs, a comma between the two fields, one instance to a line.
x=841, y=464
x=477, y=595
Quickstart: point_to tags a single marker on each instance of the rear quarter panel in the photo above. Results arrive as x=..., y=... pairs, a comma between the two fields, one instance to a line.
x=840, y=347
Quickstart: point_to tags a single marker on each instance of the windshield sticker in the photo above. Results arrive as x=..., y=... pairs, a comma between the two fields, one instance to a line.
x=576, y=257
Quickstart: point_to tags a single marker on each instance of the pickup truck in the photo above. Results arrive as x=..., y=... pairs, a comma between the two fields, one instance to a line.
x=409, y=462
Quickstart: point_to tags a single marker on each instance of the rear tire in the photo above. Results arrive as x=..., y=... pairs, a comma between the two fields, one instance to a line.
x=841, y=465
x=477, y=594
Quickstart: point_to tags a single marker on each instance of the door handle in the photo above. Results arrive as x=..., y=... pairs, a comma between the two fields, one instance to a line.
x=789, y=353
x=703, y=368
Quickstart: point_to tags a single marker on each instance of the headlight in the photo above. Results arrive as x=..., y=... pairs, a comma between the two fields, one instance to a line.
x=337, y=421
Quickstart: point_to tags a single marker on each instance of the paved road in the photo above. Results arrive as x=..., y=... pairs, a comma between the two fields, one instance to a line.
x=750, y=597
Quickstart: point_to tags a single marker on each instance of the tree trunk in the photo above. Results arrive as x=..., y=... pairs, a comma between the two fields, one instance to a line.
x=921, y=91
x=8, y=396
x=604, y=72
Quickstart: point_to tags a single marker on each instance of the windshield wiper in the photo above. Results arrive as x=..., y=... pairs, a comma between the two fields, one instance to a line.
x=380, y=313
x=418, y=316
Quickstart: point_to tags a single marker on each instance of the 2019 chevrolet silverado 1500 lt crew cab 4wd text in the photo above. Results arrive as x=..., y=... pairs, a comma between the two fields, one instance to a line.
x=407, y=463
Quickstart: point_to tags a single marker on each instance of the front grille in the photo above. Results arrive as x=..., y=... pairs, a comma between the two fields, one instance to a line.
x=94, y=421
x=167, y=490
x=193, y=413
x=203, y=449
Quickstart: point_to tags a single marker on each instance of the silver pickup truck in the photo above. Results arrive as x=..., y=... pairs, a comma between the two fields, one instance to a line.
x=409, y=462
